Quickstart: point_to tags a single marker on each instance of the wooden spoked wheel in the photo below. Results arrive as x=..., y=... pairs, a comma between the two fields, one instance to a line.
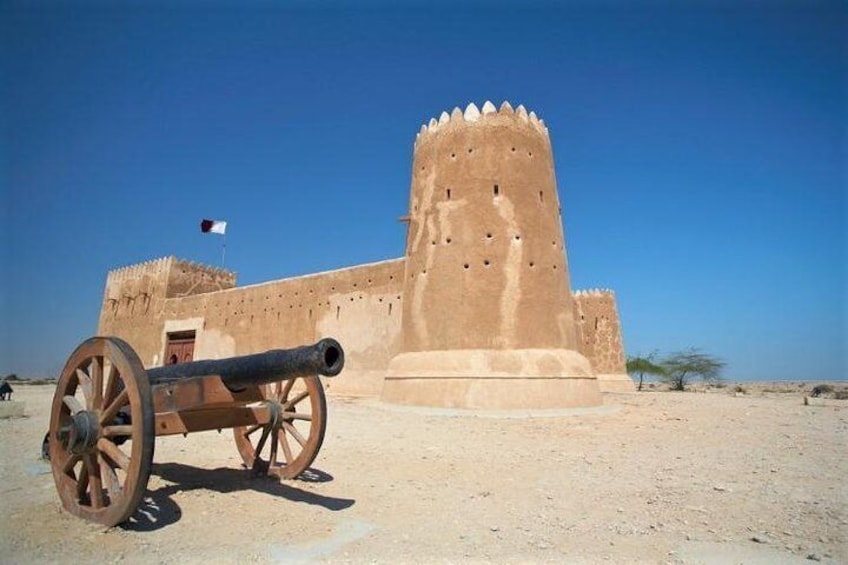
x=101, y=432
x=286, y=446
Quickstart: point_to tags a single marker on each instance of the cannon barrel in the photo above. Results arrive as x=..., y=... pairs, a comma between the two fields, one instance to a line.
x=325, y=358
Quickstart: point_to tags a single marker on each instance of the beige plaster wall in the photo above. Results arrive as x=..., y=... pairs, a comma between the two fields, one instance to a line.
x=600, y=340
x=360, y=306
x=133, y=301
x=486, y=261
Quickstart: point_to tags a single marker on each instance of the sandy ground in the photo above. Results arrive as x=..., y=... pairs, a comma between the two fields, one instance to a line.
x=653, y=477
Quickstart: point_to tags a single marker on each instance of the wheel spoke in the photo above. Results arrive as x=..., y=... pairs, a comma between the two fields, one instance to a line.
x=114, y=453
x=113, y=485
x=272, y=459
x=72, y=403
x=96, y=490
x=285, y=389
x=96, y=372
x=117, y=431
x=252, y=429
x=109, y=414
x=82, y=480
x=85, y=384
x=70, y=462
x=295, y=400
x=295, y=434
x=265, y=431
x=111, y=385
x=297, y=416
x=287, y=452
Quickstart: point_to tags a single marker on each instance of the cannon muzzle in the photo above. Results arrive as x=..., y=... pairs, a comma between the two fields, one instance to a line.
x=325, y=358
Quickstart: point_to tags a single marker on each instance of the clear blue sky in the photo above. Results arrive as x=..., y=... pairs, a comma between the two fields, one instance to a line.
x=700, y=151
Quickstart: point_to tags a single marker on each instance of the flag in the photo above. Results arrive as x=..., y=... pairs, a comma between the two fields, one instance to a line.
x=213, y=226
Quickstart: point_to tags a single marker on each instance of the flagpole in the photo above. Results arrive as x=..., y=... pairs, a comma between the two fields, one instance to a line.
x=223, y=250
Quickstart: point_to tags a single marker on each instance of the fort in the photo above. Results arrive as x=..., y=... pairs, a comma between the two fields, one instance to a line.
x=478, y=314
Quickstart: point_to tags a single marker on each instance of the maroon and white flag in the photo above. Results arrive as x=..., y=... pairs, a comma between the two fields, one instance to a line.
x=213, y=226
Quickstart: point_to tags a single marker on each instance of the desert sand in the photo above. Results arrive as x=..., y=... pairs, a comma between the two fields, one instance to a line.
x=651, y=477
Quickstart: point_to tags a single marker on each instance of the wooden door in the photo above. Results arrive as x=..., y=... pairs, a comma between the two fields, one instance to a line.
x=180, y=348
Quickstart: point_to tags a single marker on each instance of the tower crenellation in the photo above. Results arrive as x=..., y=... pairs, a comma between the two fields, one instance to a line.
x=471, y=115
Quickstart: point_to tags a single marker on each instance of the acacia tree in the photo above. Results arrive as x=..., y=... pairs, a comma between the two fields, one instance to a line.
x=680, y=367
x=644, y=365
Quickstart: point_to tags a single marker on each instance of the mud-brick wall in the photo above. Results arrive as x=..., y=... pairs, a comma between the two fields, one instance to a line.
x=135, y=296
x=360, y=306
x=599, y=331
x=187, y=278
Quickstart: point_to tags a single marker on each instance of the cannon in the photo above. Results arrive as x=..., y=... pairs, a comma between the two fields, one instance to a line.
x=107, y=410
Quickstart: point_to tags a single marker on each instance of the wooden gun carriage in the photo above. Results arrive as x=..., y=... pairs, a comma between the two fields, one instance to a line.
x=107, y=411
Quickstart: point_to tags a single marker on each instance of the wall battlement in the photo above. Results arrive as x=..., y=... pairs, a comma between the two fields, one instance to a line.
x=489, y=115
x=188, y=277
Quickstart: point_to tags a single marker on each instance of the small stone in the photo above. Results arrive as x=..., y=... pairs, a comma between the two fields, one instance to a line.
x=759, y=539
x=814, y=557
x=494, y=528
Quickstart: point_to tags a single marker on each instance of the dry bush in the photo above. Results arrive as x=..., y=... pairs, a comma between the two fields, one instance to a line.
x=821, y=390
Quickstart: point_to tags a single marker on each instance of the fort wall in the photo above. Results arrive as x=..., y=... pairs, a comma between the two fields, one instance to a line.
x=360, y=306
x=133, y=303
x=599, y=337
x=478, y=313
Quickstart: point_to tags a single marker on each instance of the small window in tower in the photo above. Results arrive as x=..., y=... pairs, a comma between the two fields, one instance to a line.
x=338, y=311
x=390, y=308
x=496, y=190
x=541, y=196
x=448, y=194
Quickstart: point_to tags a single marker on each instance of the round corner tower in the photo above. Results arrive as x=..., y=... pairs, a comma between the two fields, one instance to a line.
x=488, y=317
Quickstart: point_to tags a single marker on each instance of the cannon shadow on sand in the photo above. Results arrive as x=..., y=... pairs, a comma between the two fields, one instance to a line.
x=159, y=509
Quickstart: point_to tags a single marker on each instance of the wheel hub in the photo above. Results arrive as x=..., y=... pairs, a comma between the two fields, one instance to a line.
x=275, y=411
x=81, y=435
